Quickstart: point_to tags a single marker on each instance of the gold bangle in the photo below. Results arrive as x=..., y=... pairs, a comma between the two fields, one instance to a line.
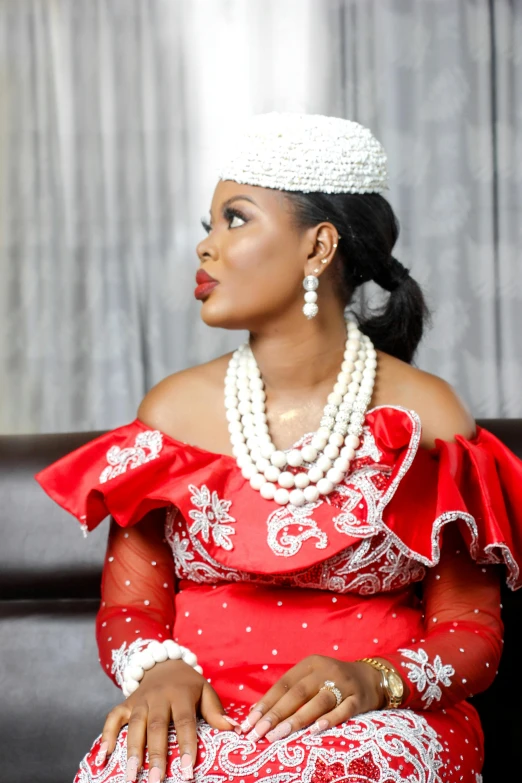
x=374, y=663
x=393, y=700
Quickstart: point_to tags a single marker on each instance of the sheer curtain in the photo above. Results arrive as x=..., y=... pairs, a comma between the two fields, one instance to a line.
x=113, y=114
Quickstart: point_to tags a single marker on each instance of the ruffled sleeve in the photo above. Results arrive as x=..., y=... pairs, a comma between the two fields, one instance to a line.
x=483, y=479
x=477, y=486
x=456, y=509
x=474, y=483
x=126, y=473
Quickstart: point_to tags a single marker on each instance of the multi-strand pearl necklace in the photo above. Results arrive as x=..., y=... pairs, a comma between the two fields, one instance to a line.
x=326, y=461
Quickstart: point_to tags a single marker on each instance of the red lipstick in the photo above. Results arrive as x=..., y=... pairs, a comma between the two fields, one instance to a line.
x=205, y=284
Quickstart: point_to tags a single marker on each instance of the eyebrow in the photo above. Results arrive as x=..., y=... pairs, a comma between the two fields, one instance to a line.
x=231, y=200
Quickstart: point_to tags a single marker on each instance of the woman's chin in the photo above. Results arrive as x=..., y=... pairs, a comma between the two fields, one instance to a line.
x=219, y=316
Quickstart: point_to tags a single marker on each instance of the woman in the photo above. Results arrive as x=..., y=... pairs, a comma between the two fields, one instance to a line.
x=300, y=554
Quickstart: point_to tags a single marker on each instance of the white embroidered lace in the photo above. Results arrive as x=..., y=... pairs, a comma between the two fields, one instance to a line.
x=211, y=517
x=375, y=746
x=147, y=446
x=426, y=676
x=121, y=657
x=378, y=562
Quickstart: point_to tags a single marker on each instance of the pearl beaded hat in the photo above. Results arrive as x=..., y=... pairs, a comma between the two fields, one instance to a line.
x=308, y=153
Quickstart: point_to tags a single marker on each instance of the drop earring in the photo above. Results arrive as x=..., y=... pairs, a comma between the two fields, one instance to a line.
x=310, y=284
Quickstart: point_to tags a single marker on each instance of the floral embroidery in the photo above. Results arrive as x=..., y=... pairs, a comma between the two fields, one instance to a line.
x=146, y=448
x=121, y=657
x=213, y=513
x=180, y=548
x=281, y=541
x=362, y=768
x=377, y=562
x=285, y=543
x=360, y=495
x=203, y=569
x=390, y=746
x=371, y=566
x=366, y=568
x=423, y=673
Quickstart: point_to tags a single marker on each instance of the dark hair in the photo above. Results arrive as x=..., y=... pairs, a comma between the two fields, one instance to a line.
x=368, y=230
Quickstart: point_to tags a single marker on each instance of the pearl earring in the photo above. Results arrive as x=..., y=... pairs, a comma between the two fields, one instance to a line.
x=310, y=284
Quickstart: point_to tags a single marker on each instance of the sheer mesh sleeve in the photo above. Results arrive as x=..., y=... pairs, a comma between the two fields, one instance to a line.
x=137, y=592
x=460, y=650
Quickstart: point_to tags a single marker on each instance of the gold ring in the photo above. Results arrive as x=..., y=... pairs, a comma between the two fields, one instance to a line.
x=332, y=687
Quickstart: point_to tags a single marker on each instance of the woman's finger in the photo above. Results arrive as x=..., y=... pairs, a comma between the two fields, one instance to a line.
x=136, y=739
x=347, y=709
x=299, y=707
x=276, y=692
x=184, y=714
x=367, y=694
x=158, y=722
x=314, y=713
x=212, y=711
x=115, y=719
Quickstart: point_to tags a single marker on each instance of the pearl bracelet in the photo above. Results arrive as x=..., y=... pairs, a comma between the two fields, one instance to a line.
x=155, y=652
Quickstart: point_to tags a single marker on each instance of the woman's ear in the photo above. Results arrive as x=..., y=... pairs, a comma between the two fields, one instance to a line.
x=325, y=246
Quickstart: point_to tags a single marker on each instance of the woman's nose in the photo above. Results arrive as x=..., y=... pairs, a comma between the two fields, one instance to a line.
x=206, y=250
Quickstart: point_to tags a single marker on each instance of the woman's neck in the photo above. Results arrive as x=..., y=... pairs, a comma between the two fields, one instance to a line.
x=303, y=355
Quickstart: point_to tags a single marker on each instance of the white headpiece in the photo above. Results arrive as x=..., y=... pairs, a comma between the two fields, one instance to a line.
x=306, y=152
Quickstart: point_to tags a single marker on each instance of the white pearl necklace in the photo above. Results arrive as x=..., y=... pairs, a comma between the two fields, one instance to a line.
x=332, y=447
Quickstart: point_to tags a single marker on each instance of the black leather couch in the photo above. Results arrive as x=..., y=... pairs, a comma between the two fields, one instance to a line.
x=54, y=694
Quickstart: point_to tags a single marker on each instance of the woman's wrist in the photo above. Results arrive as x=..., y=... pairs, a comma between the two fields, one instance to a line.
x=374, y=679
x=155, y=652
x=392, y=686
x=399, y=674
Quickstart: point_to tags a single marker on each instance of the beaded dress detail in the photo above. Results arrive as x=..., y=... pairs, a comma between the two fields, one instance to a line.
x=252, y=587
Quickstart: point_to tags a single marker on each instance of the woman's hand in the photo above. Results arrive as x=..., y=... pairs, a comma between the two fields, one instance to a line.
x=296, y=701
x=170, y=691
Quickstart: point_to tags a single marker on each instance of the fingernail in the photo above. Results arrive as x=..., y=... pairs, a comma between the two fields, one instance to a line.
x=251, y=720
x=234, y=723
x=319, y=725
x=154, y=775
x=102, y=753
x=260, y=730
x=132, y=769
x=280, y=731
x=187, y=772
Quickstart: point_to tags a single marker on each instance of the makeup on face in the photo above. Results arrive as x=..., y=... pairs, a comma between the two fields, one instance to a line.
x=205, y=284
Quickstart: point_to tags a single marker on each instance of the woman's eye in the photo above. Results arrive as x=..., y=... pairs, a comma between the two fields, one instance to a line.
x=235, y=217
x=230, y=215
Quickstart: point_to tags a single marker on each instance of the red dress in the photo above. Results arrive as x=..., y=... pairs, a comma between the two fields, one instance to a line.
x=252, y=588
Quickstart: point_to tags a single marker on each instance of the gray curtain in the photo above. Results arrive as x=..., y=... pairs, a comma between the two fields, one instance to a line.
x=113, y=114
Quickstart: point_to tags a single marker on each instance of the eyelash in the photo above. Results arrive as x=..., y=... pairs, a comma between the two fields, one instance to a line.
x=229, y=213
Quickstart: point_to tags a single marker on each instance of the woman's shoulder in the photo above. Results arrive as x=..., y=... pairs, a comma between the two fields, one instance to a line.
x=186, y=401
x=188, y=405
x=442, y=412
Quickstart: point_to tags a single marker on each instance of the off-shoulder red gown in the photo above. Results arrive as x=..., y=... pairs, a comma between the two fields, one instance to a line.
x=253, y=587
